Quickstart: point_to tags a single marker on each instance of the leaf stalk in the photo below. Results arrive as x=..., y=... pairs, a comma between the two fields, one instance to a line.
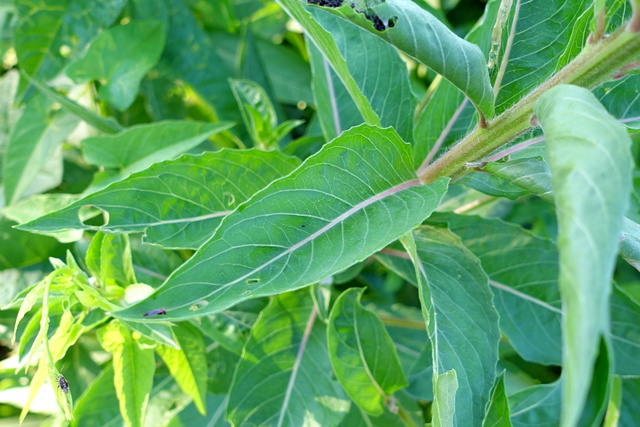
x=596, y=64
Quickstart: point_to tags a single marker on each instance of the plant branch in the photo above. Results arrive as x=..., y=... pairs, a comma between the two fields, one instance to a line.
x=595, y=65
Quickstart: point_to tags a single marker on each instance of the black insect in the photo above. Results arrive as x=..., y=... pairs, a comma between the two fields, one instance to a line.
x=156, y=312
x=63, y=384
x=326, y=3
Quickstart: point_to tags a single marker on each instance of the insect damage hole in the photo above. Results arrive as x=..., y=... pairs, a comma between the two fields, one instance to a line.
x=93, y=216
x=252, y=281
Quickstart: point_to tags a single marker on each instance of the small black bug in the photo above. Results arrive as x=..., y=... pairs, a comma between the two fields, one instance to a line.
x=63, y=384
x=156, y=312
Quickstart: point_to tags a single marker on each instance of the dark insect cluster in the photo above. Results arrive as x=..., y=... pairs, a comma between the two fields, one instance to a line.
x=63, y=384
x=156, y=312
x=326, y=3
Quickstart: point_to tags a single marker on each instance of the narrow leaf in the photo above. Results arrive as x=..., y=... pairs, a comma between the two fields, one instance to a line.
x=422, y=36
x=461, y=319
x=362, y=354
x=133, y=367
x=384, y=81
x=122, y=56
x=188, y=365
x=173, y=214
x=326, y=44
x=590, y=160
x=140, y=146
x=445, y=388
x=355, y=196
x=35, y=138
x=284, y=375
x=498, y=410
x=537, y=406
x=103, y=124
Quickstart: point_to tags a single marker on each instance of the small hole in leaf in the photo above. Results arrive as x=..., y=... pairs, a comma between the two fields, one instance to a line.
x=252, y=281
x=197, y=306
x=93, y=216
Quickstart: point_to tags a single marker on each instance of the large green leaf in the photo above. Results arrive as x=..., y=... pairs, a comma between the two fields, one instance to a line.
x=384, y=81
x=362, y=354
x=325, y=42
x=122, y=56
x=590, y=160
x=188, y=365
x=49, y=33
x=461, y=319
x=19, y=249
x=140, y=146
x=355, y=196
x=133, y=368
x=422, y=36
x=621, y=98
x=177, y=203
x=284, y=375
x=35, y=138
x=544, y=28
x=523, y=273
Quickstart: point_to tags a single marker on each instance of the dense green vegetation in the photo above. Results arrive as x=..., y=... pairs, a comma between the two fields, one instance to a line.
x=367, y=213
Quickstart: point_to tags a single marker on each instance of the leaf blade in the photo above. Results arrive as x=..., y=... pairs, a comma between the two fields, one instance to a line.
x=383, y=186
x=587, y=149
x=362, y=354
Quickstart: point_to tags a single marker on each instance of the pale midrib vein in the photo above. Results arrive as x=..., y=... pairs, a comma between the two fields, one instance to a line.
x=524, y=296
x=311, y=237
x=296, y=365
x=168, y=221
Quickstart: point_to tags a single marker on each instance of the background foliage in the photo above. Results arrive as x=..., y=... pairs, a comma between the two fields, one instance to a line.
x=225, y=212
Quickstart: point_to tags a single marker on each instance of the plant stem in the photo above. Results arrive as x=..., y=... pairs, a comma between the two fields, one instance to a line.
x=595, y=65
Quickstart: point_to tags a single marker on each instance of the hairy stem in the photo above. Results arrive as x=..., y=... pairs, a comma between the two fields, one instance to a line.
x=595, y=65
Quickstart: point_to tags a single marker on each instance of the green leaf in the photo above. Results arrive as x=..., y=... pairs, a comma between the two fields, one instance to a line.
x=384, y=81
x=103, y=124
x=109, y=260
x=20, y=249
x=35, y=139
x=620, y=97
x=625, y=332
x=630, y=402
x=304, y=227
x=173, y=214
x=526, y=296
x=461, y=319
x=498, y=410
x=336, y=110
x=253, y=95
x=200, y=66
x=590, y=160
x=188, y=365
x=138, y=147
x=533, y=174
x=546, y=29
x=42, y=204
x=362, y=354
x=122, y=56
x=50, y=33
x=445, y=387
x=133, y=367
x=423, y=37
x=536, y=406
x=284, y=375
x=325, y=42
